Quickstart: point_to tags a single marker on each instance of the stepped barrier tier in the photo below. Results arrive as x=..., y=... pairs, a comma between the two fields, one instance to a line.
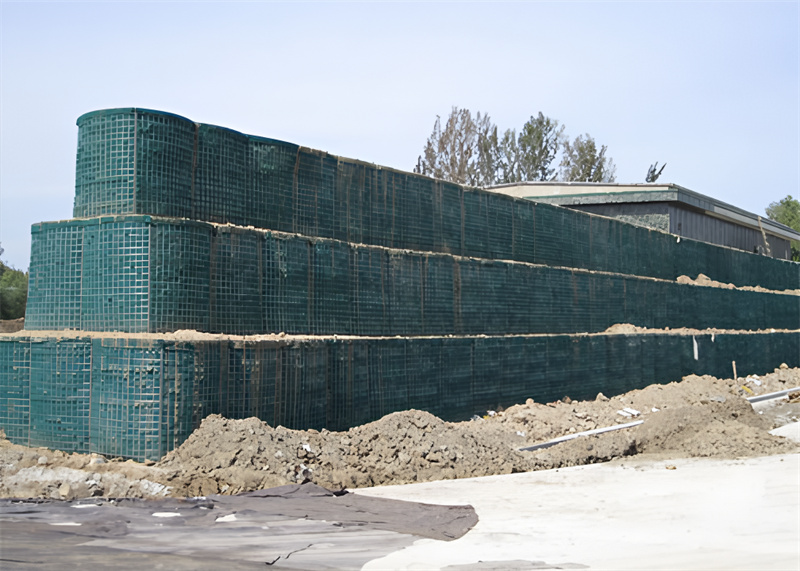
x=138, y=161
x=139, y=396
x=149, y=274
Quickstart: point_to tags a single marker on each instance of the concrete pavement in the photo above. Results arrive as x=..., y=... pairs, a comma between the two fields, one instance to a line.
x=633, y=514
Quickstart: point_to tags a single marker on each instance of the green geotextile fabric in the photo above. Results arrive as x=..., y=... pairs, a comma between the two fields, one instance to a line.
x=146, y=274
x=136, y=161
x=141, y=397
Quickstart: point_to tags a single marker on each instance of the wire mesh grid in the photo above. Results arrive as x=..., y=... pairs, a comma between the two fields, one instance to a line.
x=60, y=396
x=140, y=274
x=270, y=184
x=115, y=276
x=128, y=397
x=15, y=386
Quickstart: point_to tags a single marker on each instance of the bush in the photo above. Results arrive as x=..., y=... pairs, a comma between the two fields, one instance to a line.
x=13, y=292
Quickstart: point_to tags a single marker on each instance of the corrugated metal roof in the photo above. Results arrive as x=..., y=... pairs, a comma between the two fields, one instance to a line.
x=569, y=193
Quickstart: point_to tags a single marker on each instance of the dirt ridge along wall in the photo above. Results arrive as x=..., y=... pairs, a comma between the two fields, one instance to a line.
x=140, y=397
x=146, y=274
x=137, y=161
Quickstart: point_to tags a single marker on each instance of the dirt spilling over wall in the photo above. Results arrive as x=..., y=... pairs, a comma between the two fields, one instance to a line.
x=698, y=417
x=12, y=325
x=704, y=280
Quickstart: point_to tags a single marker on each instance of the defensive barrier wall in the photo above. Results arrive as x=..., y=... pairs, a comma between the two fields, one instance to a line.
x=140, y=397
x=137, y=161
x=146, y=274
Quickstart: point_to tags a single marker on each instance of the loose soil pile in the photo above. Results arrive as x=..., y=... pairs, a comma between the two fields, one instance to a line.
x=12, y=325
x=698, y=417
x=704, y=280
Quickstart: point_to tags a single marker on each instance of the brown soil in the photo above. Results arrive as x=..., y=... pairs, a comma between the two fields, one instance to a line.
x=704, y=280
x=698, y=417
x=11, y=325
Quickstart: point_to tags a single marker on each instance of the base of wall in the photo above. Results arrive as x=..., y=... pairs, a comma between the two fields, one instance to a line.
x=140, y=396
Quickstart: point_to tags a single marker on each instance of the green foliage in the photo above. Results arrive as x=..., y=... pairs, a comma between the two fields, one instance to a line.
x=13, y=292
x=464, y=151
x=787, y=212
x=582, y=162
x=468, y=150
x=539, y=142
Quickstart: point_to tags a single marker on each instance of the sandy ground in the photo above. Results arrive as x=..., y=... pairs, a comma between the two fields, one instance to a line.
x=633, y=513
x=700, y=417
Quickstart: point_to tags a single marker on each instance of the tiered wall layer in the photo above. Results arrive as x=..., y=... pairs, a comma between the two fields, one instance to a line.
x=135, y=161
x=141, y=397
x=145, y=274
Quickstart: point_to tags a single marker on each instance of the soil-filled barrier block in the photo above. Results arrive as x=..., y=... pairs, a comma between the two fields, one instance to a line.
x=140, y=397
x=60, y=396
x=138, y=161
x=15, y=389
x=147, y=274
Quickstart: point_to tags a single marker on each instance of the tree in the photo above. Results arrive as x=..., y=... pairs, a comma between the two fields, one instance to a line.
x=582, y=162
x=654, y=172
x=508, y=163
x=787, y=212
x=13, y=292
x=464, y=151
x=467, y=150
x=538, y=144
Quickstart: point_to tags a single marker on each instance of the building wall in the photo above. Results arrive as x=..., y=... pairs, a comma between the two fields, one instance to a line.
x=675, y=219
x=700, y=226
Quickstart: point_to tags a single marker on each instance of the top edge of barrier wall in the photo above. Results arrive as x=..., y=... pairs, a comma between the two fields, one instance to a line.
x=269, y=140
x=127, y=111
x=140, y=110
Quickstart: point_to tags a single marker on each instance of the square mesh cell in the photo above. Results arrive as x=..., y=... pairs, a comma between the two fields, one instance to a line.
x=55, y=276
x=128, y=398
x=269, y=179
x=15, y=386
x=165, y=158
x=116, y=276
x=60, y=394
x=236, y=281
x=180, y=276
x=105, y=169
x=219, y=176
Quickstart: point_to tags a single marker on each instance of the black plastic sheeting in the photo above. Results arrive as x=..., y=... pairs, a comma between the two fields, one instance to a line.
x=290, y=527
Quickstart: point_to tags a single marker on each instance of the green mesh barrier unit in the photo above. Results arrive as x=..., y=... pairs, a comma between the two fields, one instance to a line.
x=60, y=381
x=55, y=272
x=236, y=282
x=220, y=176
x=130, y=162
x=180, y=276
x=145, y=274
x=115, y=276
x=15, y=388
x=141, y=397
x=149, y=162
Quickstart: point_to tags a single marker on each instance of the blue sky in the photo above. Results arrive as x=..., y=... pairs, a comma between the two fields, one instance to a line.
x=710, y=88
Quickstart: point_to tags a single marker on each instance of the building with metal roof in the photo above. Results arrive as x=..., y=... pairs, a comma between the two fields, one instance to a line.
x=667, y=207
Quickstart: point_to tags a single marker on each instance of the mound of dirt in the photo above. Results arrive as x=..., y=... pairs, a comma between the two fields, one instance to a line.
x=697, y=417
x=704, y=280
x=12, y=325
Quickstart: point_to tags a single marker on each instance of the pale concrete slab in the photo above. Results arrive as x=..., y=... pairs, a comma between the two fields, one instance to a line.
x=790, y=431
x=634, y=514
